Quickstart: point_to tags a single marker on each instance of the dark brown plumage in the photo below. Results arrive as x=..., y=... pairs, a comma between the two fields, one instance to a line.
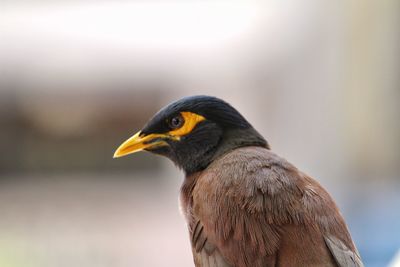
x=252, y=208
x=244, y=205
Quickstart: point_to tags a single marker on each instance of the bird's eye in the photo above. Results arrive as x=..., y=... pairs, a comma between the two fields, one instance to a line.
x=176, y=122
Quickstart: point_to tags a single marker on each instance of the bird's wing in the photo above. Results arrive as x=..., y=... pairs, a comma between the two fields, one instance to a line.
x=344, y=257
x=249, y=210
x=205, y=253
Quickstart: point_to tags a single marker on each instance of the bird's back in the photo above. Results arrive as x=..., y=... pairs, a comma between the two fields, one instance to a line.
x=252, y=208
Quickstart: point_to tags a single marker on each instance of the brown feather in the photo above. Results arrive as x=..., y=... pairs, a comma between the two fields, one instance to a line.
x=252, y=208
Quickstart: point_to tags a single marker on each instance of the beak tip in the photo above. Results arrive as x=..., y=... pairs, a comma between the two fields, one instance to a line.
x=134, y=144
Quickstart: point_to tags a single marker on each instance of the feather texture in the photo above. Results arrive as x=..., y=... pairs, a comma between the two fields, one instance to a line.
x=251, y=208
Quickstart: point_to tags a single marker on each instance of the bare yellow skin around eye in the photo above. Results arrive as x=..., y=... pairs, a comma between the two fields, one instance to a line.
x=139, y=142
x=191, y=120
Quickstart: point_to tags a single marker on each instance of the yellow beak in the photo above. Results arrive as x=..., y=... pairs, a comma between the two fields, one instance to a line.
x=139, y=142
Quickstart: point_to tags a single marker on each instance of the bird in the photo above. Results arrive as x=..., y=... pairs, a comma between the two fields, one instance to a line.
x=244, y=205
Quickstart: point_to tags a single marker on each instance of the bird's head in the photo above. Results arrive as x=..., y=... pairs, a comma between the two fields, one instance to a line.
x=192, y=132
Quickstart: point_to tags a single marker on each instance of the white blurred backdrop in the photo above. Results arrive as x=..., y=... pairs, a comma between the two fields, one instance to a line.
x=319, y=79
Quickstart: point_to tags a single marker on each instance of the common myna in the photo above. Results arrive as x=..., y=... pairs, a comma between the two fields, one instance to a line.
x=245, y=206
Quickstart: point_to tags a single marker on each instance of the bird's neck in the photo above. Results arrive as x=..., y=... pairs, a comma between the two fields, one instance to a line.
x=239, y=138
x=231, y=139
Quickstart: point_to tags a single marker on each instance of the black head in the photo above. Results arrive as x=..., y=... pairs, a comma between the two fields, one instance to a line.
x=193, y=131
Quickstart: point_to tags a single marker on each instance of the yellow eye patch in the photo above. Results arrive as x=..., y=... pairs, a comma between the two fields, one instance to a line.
x=190, y=121
x=140, y=142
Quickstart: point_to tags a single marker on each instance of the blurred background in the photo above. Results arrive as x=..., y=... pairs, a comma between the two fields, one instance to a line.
x=319, y=79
